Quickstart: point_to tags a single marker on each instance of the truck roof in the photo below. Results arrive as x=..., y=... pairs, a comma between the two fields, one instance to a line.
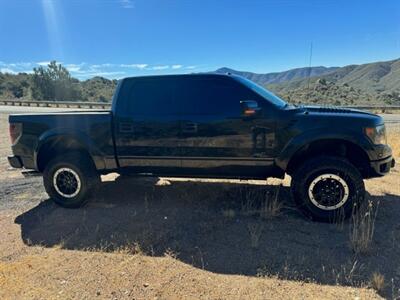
x=182, y=75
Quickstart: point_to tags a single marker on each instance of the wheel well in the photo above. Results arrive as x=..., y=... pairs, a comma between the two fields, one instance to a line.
x=341, y=148
x=56, y=147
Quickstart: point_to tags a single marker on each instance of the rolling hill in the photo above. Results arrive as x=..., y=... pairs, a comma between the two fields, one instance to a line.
x=367, y=84
x=280, y=77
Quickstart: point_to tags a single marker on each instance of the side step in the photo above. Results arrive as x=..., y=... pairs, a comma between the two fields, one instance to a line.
x=30, y=173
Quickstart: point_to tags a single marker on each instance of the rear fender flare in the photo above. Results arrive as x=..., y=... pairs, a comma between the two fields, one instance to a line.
x=66, y=135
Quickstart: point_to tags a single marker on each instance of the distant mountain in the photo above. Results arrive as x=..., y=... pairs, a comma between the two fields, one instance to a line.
x=280, y=77
x=367, y=84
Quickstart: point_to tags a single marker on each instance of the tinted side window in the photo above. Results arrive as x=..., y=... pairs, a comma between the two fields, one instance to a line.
x=211, y=96
x=147, y=97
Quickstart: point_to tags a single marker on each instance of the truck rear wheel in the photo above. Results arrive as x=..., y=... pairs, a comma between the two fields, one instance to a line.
x=327, y=188
x=70, y=179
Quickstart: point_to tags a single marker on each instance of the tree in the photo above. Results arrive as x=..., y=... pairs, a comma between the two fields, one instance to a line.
x=54, y=83
x=17, y=90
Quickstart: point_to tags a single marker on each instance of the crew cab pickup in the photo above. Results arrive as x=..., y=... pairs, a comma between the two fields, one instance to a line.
x=206, y=125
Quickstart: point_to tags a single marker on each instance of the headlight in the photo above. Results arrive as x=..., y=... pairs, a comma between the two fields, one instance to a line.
x=377, y=134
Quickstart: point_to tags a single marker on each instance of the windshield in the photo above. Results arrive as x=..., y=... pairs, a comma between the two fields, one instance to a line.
x=263, y=92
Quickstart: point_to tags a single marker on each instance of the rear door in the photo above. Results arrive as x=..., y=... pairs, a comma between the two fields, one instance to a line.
x=215, y=138
x=147, y=125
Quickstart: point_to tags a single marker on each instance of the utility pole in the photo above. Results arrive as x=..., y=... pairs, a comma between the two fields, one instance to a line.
x=309, y=68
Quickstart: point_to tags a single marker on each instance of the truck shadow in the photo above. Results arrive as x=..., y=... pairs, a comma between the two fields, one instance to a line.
x=208, y=226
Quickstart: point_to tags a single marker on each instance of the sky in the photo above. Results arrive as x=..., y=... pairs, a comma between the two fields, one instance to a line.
x=119, y=38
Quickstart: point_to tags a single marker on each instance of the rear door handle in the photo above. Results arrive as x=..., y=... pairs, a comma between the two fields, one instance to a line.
x=125, y=127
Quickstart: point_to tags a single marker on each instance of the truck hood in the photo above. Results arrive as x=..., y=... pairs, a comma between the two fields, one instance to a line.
x=337, y=116
x=334, y=110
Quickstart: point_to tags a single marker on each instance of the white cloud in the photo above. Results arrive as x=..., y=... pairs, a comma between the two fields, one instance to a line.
x=74, y=67
x=191, y=67
x=134, y=66
x=106, y=65
x=90, y=74
x=20, y=65
x=43, y=63
x=175, y=67
x=127, y=4
x=160, y=67
x=7, y=70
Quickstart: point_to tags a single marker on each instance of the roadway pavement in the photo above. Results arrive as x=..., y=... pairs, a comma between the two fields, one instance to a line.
x=389, y=118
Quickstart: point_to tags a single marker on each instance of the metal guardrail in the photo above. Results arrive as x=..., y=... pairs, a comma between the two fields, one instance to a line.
x=74, y=104
x=66, y=104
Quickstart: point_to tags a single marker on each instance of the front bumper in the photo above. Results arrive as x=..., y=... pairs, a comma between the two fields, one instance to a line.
x=15, y=161
x=382, y=167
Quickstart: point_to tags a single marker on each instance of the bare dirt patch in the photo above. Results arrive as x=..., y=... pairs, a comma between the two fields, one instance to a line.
x=145, y=238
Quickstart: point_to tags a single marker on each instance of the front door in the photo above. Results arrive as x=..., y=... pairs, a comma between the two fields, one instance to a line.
x=215, y=138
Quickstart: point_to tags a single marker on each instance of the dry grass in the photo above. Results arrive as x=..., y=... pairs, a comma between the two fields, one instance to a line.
x=229, y=213
x=378, y=281
x=260, y=202
x=339, y=219
x=171, y=253
x=134, y=248
x=272, y=205
x=362, y=228
x=394, y=140
x=255, y=232
x=250, y=200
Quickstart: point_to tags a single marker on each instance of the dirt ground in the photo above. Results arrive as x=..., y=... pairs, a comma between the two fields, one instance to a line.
x=144, y=238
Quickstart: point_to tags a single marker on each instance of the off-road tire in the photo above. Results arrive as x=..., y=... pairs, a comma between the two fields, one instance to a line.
x=305, y=176
x=74, y=164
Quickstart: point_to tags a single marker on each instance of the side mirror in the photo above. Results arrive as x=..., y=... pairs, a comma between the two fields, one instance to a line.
x=250, y=108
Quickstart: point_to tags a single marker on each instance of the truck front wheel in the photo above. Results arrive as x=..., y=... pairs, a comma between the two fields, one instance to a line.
x=70, y=179
x=327, y=188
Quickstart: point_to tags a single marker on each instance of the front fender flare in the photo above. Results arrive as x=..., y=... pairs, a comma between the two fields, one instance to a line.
x=299, y=142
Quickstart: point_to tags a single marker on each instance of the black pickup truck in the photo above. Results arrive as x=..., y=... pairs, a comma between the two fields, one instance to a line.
x=206, y=125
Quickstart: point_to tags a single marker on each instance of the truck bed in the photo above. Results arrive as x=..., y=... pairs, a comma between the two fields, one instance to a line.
x=92, y=129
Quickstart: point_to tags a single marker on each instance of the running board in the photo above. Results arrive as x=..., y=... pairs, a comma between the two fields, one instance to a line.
x=30, y=173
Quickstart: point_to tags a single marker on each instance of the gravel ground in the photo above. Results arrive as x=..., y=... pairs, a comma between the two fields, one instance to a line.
x=176, y=239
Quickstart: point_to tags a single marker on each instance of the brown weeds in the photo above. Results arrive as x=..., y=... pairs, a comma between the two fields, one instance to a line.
x=255, y=232
x=272, y=205
x=362, y=228
x=378, y=281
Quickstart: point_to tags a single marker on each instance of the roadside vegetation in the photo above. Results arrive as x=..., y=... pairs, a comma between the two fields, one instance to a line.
x=55, y=83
